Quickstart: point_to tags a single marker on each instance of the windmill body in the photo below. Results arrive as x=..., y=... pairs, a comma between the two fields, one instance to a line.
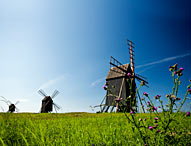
x=11, y=108
x=47, y=103
x=118, y=85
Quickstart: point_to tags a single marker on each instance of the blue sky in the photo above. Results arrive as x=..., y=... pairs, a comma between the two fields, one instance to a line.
x=66, y=45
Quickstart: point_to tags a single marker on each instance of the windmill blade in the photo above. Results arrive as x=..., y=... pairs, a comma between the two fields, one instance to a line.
x=144, y=84
x=17, y=110
x=17, y=102
x=9, y=102
x=3, y=98
x=119, y=67
x=5, y=102
x=141, y=77
x=114, y=62
x=56, y=92
x=57, y=106
x=2, y=108
x=41, y=92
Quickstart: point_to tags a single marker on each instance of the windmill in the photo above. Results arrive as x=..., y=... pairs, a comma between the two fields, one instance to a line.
x=47, y=102
x=120, y=86
x=12, y=107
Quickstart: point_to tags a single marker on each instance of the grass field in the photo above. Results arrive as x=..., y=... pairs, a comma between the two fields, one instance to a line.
x=85, y=129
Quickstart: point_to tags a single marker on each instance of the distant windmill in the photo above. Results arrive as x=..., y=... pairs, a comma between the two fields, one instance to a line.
x=12, y=107
x=47, y=102
x=2, y=108
x=118, y=84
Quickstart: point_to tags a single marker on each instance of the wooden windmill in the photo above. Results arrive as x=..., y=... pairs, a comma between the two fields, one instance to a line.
x=47, y=102
x=12, y=107
x=121, y=85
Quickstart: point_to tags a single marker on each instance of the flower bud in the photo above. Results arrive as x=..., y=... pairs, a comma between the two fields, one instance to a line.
x=142, y=83
x=150, y=127
x=145, y=93
x=189, y=91
x=177, y=98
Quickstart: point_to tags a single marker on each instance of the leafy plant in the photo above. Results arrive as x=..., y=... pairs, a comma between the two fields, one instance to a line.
x=158, y=126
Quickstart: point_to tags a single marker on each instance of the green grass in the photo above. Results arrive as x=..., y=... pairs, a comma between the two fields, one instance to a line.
x=84, y=129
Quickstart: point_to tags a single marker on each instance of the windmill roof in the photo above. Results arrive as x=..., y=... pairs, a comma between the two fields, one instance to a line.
x=115, y=72
x=46, y=98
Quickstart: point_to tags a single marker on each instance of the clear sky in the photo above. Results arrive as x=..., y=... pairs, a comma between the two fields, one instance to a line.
x=66, y=45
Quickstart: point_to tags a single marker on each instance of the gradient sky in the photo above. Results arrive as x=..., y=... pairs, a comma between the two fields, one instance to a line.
x=66, y=45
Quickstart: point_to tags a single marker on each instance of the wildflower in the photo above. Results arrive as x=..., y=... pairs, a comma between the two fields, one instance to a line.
x=159, y=107
x=117, y=99
x=148, y=103
x=173, y=68
x=189, y=91
x=156, y=118
x=154, y=108
x=145, y=144
x=179, y=72
x=93, y=144
x=131, y=112
x=188, y=114
x=158, y=130
x=181, y=69
x=145, y=119
x=150, y=128
x=145, y=93
x=128, y=74
x=104, y=87
x=157, y=96
x=140, y=119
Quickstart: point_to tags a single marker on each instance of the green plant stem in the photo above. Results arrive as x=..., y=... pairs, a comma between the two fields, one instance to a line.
x=150, y=101
x=181, y=104
x=177, y=85
x=138, y=128
x=173, y=89
x=137, y=90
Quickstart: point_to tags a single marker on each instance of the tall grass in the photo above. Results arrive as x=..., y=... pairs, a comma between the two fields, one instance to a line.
x=81, y=129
